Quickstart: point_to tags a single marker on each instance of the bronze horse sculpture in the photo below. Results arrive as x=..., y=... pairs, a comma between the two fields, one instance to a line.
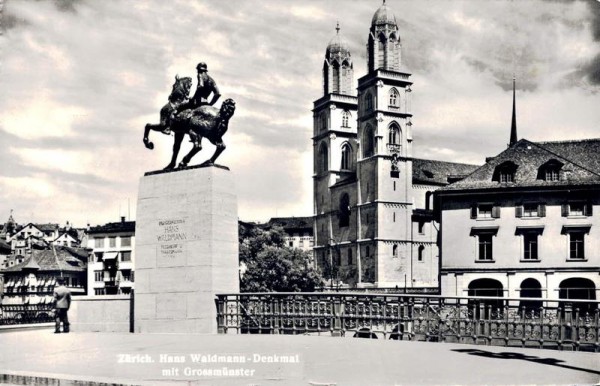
x=204, y=121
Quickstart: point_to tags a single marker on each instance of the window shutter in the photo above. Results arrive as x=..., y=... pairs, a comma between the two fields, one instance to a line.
x=496, y=212
x=473, y=210
x=542, y=210
x=565, y=210
x=519, y=211
x=589, y=209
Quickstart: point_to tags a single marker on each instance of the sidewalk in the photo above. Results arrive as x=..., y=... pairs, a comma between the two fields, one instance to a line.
x=168, y=359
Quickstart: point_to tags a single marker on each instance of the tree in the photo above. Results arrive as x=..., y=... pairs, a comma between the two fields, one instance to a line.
x=271, y=265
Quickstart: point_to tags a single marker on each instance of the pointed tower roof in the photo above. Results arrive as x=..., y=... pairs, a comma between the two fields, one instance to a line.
x=513, y=125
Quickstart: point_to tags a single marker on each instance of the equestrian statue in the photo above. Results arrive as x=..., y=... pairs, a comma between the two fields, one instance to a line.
x=196, y=117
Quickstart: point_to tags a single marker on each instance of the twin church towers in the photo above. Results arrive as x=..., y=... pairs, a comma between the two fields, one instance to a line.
x=373, y=225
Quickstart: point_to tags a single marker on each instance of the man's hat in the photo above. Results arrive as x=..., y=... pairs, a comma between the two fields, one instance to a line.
x=201, y=67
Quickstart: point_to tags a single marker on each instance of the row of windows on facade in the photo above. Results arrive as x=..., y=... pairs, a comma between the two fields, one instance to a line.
x=99, y=257
x=124, y=275
x=550, y=171
x=394, y=104
x=394, y=147
x=301, y=243
x=395, y=254
x=531, y=246
x=579, y=208
x=41, y=284
x=100, y=242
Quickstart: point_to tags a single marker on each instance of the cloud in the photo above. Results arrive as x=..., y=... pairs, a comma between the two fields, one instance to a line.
x=81, y=78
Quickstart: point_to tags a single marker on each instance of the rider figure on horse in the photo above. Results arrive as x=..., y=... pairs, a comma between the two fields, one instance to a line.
x=206, y=86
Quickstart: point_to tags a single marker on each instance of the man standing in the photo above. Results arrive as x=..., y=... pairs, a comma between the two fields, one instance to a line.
x=62, y=303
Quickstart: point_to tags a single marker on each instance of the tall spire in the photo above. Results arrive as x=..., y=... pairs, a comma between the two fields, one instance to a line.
x=513, y=126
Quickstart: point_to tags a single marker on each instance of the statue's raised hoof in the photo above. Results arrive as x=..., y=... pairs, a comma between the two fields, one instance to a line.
x=148, y=144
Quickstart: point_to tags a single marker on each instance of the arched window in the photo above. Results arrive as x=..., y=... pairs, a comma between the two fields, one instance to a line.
x=346, y=118
x=530, y=288
x=324, y=121
x=421, y=252
x=336, y=78
x=344, y=214
x=394, y=135
x=550, y=171
x=368, y=142
x=346, y=157
x=395, y=250
x=325, y=78
x=482, y=288
x=394, y=98
x=323, y=158
x=369, y=102
x=505, y=172
x=580, y=289
x=381, y=57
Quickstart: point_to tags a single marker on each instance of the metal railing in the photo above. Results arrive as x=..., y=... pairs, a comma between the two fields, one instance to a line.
x=25, y=313
x=523, y=322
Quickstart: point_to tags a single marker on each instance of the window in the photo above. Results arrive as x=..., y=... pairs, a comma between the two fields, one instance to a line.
x=344, y=214
x=99, y=291
x=530, y=210
x=350, y=257
x=291, y=243
x=530, y=246
x=551, y=175
x=323, y=158
x=346, y=119
x=394, y=135
x=367, y=251
x=369, y=102
x=112, y=242
x=346, y=157
x=126, y=256
x=421, y=252
x=98, y=276
x=125, y=241
x=394, y=98
x=485, y=211
x=369, y=142
x=485, y=247
x=577, y=209
x=395, y=250
x=421, y=226
x=576, y=245
x=505, y=172
x=323, y=121
x=98, y=242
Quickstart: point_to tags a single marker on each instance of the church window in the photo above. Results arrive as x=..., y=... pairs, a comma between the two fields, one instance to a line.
x=346, y=157
x=395, y=250
x=346, y=119
x=369, y=142
x=323, y=158
x=350, y=257
x=369, y=102
x=421, y=253
x=344, y=213
x=323, y=121
x=394, y=98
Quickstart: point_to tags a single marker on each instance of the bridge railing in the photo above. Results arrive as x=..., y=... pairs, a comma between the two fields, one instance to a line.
x=524, y=322
x=11, y=314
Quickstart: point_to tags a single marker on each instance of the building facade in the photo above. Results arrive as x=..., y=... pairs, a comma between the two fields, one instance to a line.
x=373, y=225
x=298, y=230
x=111, y=265
x=525, y=224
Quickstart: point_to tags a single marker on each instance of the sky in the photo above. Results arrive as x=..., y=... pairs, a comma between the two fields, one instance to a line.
x=80, y=79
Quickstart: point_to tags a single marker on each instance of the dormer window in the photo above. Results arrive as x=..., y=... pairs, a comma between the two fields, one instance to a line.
x=550, y=171
x=505, y=172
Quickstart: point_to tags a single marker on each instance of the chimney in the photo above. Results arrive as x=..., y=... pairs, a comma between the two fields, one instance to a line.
x=122, y=219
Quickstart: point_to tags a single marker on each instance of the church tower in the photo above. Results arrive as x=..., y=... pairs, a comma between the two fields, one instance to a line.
x=384, y=162
x=334, y=142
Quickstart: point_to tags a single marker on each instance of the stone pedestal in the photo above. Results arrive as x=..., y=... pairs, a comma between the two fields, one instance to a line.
x=186, y=249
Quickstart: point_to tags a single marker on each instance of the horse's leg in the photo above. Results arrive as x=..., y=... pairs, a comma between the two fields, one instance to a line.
x=147, y=129
x=176, y=146
x=220, y=148
x=188, y=157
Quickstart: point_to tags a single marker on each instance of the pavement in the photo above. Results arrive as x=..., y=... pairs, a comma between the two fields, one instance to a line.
x=41, y=357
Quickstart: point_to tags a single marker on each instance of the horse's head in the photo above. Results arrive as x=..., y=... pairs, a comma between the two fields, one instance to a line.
x=182, y=85
x=227, y=108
